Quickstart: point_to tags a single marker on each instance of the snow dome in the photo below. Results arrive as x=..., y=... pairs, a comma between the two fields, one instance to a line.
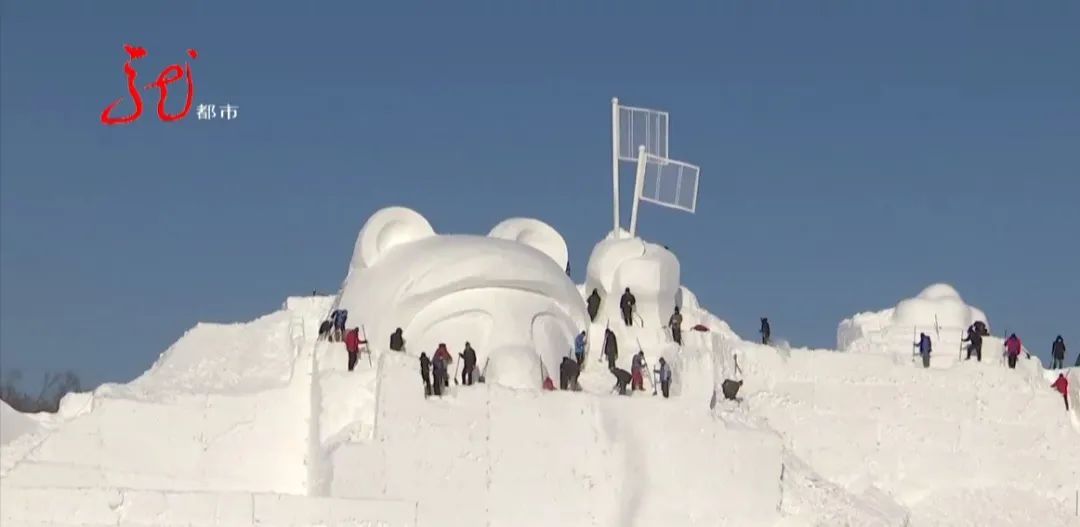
x=507, y=293
x=938, y=310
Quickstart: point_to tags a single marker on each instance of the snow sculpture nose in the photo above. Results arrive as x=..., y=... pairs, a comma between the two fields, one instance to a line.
x=516, y=367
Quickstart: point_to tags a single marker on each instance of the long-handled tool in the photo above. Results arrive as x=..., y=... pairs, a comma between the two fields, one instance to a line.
x=367, y=344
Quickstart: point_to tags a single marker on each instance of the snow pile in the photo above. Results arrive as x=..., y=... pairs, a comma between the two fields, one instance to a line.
x=14, y=424
x=507, y=293
x=938, y=311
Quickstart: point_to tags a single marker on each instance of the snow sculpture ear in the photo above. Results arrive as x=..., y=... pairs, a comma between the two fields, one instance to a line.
x=535, y=234
x=386, y=229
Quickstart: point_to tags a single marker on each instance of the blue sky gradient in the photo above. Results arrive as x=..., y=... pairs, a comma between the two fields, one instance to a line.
x=851, y=155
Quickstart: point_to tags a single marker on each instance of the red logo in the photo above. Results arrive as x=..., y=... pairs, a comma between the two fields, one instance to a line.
x=168, y=76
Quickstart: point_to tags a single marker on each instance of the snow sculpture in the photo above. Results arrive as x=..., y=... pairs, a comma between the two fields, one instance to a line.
x=507, y=293
x=938, y=310
x=649, y=270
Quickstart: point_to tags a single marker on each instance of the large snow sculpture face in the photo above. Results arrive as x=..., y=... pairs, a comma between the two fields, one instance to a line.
x=506, y=293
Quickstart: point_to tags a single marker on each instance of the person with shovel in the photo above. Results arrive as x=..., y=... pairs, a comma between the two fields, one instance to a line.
x=637, y=369
x=665, y=377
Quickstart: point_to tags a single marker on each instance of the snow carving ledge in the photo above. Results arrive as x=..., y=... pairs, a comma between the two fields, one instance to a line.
x=506, y=293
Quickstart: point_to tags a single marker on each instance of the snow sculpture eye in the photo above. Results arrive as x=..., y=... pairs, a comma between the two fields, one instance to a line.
x=535, y=234
x=387, y=229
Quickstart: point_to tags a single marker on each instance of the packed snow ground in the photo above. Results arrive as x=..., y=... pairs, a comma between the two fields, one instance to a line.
x=261, y=424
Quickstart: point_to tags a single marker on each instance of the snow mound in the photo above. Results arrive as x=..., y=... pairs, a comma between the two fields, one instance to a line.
x=14, y=424
x=505, y=294
x=938, y=311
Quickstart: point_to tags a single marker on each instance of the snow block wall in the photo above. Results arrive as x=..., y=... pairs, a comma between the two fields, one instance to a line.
x=232, y=402
x=507, y=293
x=975, y=432
x=490, y=455
x=108, y=507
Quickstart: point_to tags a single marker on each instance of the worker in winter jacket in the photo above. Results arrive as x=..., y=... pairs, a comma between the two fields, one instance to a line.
x=637, y=372
x=622, y=378
x=352, y=345
x=443, y=355
x=665, y=377
x=439, y=371
x=974, y=338
x=1062, y=385
x=593, y=304
x=425, y=373
x=766, y=331
x=397, y=340
x=1058, y=353
x=611, y=348
x=339, y=316
x=579, y=349
x=568, y=372
x=627, y=304
x=675, y=323
x=468, y=357
x=925, y=347
x=1012, y=349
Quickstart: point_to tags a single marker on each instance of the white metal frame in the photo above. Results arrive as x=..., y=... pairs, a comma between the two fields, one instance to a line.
x=616, y=152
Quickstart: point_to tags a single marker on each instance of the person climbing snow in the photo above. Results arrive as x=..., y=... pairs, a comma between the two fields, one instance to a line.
x=593, y=304
x=425, y=373
x=1062, y=385
x=925, y=347
x=1057, y=351
x=611, y=348
x=397, y=340
x=339, y=316
x=622, y=378
x=438, y=369
x=766, y=331
x=579, y=349
x=1012, y=349
x=442, y=355
x=974, y=337
x=468, y=357
x=627, y=304
x=324, y=329
x=675, y=323
x=637, y=372
x=665, y=377
x=352, y=345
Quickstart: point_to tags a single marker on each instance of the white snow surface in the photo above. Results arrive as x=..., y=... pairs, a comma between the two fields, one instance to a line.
x=259, y=423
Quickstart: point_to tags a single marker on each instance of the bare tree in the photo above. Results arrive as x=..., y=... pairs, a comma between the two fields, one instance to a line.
x=54, y=386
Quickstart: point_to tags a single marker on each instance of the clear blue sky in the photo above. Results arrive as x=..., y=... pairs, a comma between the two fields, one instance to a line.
x=851, y=154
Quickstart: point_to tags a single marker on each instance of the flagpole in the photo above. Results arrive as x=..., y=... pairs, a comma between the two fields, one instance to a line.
x=639, y=181
x=615, y=162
